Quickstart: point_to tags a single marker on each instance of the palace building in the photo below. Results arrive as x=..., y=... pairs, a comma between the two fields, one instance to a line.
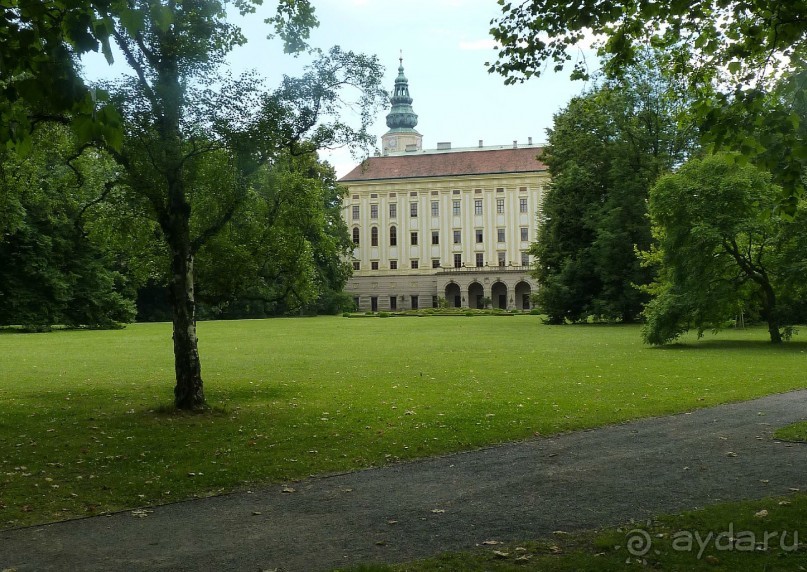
x=442, y=223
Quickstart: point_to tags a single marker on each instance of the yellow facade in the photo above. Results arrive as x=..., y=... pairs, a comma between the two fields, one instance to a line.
x=461, y=236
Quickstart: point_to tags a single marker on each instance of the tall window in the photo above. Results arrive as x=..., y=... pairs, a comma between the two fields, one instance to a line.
x=435, y=208
x=525, y=259
x=413, y=209
x=393, y=265
x=479, y=236
x=457, y=237
x=374, y=265
x=522, y=205
x=413, y=238
x=393, y=302
x=458, y=260
x=355, y=212
x=374, y=236
x=501, y=256
x=500, y=235
x=356, y=235
x=435, y=263
x=480, y=259
x=393, y=236
x=478, y=206
x=414, y=264
x=499, y=206
x=455, y=207
x=356, y=266
x=525, y=234
x=393, y=210
x=435, y=237
x=373, y=211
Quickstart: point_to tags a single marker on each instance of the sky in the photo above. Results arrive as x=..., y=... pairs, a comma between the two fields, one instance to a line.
x=445, y=44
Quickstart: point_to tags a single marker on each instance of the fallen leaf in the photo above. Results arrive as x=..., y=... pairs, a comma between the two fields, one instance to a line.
x=500, y=554
x=437, y=510
x=731, y=454
x=761, y=514
x=288, y=490
x=141, y=512
x=491, y=542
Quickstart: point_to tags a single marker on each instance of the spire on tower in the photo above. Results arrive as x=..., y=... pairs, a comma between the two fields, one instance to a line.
x=401, y=115
x=401, y=119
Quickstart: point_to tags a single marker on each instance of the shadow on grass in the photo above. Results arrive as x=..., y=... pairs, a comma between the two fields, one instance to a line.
x=171, y=410
x=733, y=345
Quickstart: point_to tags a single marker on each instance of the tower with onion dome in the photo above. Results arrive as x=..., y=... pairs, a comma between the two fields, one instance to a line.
x=401, y=119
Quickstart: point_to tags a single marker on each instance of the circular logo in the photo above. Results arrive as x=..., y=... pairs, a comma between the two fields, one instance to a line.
x=638, y=542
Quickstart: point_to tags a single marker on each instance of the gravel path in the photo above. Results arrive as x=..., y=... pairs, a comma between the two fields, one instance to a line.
x=517, y=491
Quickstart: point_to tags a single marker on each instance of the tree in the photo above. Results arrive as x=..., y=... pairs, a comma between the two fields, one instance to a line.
x=53, y=269
x=605, y=150
x=184, y=134
x=187, y=128
x=734, y=53
x=720, y=248
x=284, y=249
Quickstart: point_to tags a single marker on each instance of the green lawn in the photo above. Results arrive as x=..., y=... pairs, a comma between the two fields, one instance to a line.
x=84, y=426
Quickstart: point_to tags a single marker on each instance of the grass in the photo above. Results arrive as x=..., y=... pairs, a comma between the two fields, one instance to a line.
x=85, y=427
x=762, y=535
x=797, y=432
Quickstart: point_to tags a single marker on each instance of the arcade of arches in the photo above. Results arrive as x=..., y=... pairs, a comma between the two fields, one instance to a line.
x=498, y=293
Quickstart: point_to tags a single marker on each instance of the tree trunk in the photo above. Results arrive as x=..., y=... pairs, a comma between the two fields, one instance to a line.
x=769, y=305
x=188, y=392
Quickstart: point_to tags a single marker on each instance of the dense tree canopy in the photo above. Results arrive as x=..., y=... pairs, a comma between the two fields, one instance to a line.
x=605, y=150
x=53, y=270
x=284, y=248
x=722, y=250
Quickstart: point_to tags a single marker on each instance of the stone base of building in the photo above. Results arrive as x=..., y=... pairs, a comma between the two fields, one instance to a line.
x=508, y=288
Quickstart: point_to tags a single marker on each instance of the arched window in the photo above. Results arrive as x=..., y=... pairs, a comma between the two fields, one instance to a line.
x=393, y=236
x=356, y=235
x=374, y=236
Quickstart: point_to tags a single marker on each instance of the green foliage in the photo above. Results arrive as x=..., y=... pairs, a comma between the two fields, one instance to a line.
x=41, y=42
x=747, y=62
x=285, y=248
x=722, y=247
x=605, y=150
x=275, y=390
x=53, y=269
x=703, y=36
